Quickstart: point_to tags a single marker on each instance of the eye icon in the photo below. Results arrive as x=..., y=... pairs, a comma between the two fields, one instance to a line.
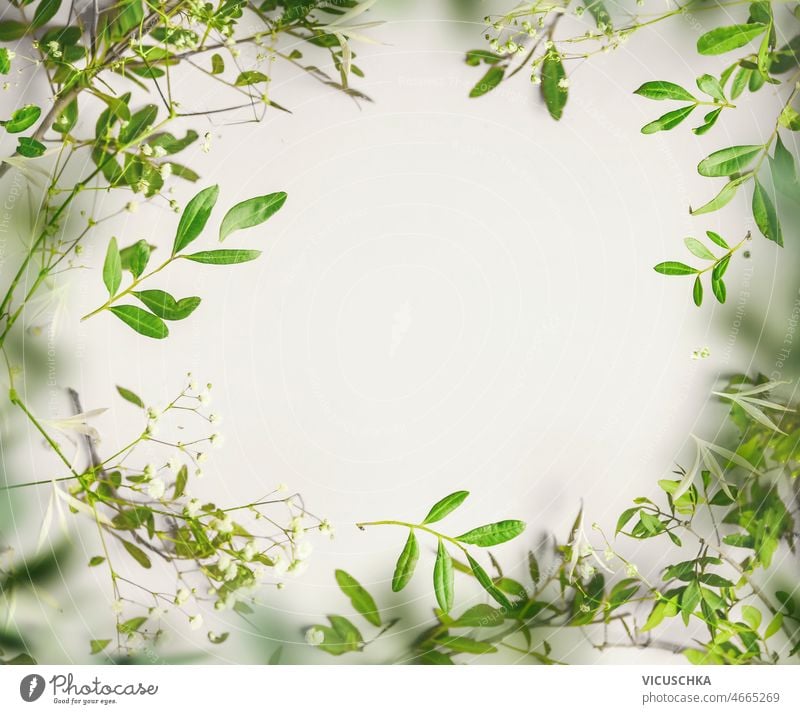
x=31, y=687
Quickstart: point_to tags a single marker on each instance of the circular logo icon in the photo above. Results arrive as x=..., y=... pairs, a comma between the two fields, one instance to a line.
x=31, y=687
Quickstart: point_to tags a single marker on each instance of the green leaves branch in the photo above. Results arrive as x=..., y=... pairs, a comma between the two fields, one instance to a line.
x=161, y=306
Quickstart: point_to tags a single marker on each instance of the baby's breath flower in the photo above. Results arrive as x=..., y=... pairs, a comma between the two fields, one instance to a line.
x=201, y=457
x=216, y=440
x=231, y=572
x=204, y=397
x=156, y=488
x=192, y=508
x=223, y=525
x=315, y=636
x=281, y=488
x=117, y=607
x=173, y=464
x=149, y=471
x=303, y=550
x=182, y=596
x=631, y=570
x=249, y=550
x=214, y=418
x=131, y=207
x=196, y=622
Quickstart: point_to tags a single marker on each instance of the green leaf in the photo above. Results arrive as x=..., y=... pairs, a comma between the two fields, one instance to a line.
x=493, y=533
x=97, y=646
x=486, y=583
x=130, y=396
x=774, y=626
x=697, y=292
x=223, y=257
x=165, y=306
x=752, y=616
x=250, y=77
x=465, y=644
x=698, y=249
x=665, y=90
x=784, y=171
x=218, y=639
x=406, y=563
x=724, y=39
x=488, y=82
x=96, y=560
x=669, y=120
x=180, y=481
x=5, y=61
x=217, y=64
x=112, y=268
x=132, y=625
x=45, y=11
x=727, y=162
x=708, y=121
x=360, y=599
x=673, y=267
x=625, y=516
x=137, y=554
x=719, y=290
x=740, y=82
x=554, y=89
x=22, y=119
x=481, y=615
x=138, y=124
x=11, y=30
x=443, y=578
x=789, y=119
x=446, y=506
x=718, y=239
x=711, y=86
x=194, y=217
x=30, y=148
x=135, y=257
x=251, y=212
x=474, y=57
x=66, y=120
x=765, y=215
x=723, y=198
x=170, y=143
x=145, y=323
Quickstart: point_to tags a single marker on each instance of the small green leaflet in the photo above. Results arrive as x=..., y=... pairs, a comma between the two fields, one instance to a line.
x=360, y=599
x=138, y=124
x=488, y=82
x=145, y=323
x=251, y=212
x=723, y=198
x=137, y=554
x=698, y=249
x=223, y=257
x=250, y=77
x=784, y=171
x=5, y=61
x=674, y=267
x=135, y=257
x=167, y=307
x=724, y=39
x=554, y=84
x=30, y=148
x=97, y=646
x=112, y=268
x=669, y=120
x=45, y=11
x=486, y=582
x=22, y=119
x=443, y=578
x=765, y=214
x=130, y=396
x=181, y=480
x=194, y=217
x=446, y=506
x=481, y=615
x=729, y=161
x=406, y=563
x=493, y=533
x=711, y=86
x=665, y=90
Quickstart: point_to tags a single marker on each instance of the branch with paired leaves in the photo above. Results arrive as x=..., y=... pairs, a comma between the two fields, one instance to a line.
x=161, y=305
x=725, y=522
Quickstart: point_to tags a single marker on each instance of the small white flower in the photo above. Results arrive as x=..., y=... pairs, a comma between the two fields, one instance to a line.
x=297, y=528
x=193, y=385
x=231, y=572
x=149, y=471
x=201, y=457
x=249, y=551
x=147, y=150
x=303, y=550
x=215, y=418
x=156, y=488
x=153, y=413
x=631, y=570
x=298, y=567
x=281, y=488
x=326, y=527
x=198, y=473
x=204, y=397
x=314, y=636
x=216, y=440
x=159, y=151
x=223, y=561
x=196, y=622
x=563, y=83
x=280, y=564
x=223, y=525
x=192, y=508
x=206, y=147
x=182, y=596
x=173, y=464
x=117, y=607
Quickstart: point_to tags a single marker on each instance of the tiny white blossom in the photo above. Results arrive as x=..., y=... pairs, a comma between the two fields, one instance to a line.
x=173, y=464
x=216, y=440
x=196, y=622
x=215, y=418
x=314, y=636
x=182, y=596
x=117, y=607
x=281, y=488
x=192, y=508
x=303, y=550
x=156, y=488
x=204, y=397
